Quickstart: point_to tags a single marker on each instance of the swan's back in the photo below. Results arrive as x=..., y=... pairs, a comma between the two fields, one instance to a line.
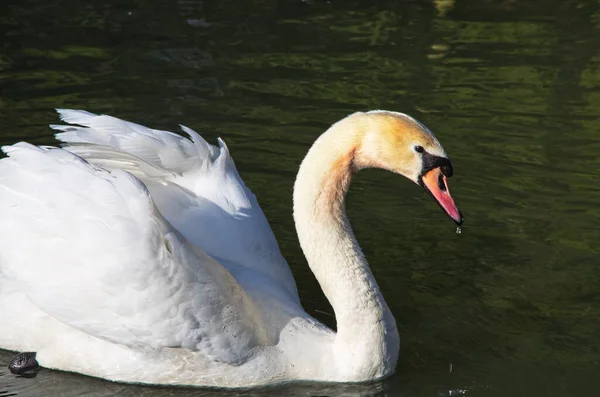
x=192, y=183
x=103, y=258
x=88, y=248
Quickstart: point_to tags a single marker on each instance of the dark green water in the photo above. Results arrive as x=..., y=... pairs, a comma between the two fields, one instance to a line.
x=511, y=307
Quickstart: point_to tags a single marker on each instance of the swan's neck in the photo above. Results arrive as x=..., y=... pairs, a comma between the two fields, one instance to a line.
x=366, y=345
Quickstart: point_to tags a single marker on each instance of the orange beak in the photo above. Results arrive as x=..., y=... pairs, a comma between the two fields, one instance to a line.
x=437, y=185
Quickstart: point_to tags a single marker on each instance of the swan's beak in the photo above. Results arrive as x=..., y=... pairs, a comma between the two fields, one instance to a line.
x=436, y=183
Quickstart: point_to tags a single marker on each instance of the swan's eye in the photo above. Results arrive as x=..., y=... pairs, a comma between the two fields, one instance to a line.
x=419, y=149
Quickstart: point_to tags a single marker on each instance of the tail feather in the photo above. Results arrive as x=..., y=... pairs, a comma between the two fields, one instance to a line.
x=71, y=116
x=125, y=144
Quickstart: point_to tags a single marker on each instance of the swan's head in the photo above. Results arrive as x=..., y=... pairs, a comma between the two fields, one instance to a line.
x=397, y=142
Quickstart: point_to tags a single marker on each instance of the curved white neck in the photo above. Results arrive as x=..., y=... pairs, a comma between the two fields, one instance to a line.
x=367, y=343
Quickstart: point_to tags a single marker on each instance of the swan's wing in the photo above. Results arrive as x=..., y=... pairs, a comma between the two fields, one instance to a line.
x=88, y=248
x=192, y=183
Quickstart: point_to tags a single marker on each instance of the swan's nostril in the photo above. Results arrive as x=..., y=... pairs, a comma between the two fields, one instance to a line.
x=441, y=183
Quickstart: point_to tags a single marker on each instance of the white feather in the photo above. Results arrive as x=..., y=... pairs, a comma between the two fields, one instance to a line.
x=192, y=183
x=130, y=278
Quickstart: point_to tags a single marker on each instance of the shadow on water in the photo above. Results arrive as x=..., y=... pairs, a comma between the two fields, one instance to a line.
x=511, y=306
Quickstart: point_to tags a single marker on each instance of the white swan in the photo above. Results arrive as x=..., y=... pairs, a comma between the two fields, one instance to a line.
x=150, y=261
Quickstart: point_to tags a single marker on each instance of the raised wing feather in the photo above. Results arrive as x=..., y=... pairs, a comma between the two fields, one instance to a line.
x=88, y=247
x=192, y=183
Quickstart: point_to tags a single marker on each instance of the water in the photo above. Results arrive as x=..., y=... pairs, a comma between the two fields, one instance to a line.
x=511, y=89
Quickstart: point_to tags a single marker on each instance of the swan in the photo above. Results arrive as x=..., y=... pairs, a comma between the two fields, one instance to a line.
x=139, y=255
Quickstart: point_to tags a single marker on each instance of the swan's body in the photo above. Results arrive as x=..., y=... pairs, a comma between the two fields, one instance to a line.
x=152, y=262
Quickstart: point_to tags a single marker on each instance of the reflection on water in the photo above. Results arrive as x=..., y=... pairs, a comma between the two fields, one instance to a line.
x=509, y=307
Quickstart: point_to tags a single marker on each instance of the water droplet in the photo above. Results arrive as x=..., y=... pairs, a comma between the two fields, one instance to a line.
x=458, y=230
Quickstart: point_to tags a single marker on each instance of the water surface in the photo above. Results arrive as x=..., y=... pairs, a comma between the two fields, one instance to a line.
x=512, y=90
